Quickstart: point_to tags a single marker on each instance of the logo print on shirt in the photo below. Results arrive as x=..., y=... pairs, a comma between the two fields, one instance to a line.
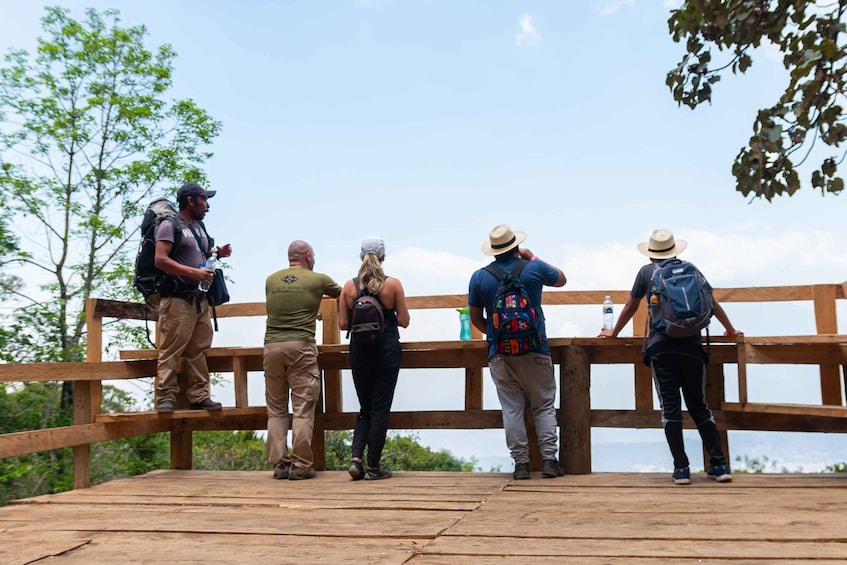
x=289, y=279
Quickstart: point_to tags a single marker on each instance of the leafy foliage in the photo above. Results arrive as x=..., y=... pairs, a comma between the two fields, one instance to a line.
x=87, y=137
x=810, y=37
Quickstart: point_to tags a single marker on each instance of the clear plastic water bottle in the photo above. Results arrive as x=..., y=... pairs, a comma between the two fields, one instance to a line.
x=211, y=263
x=464, y=323
x=608, y=314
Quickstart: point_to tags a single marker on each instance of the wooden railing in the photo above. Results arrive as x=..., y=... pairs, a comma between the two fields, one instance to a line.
x=827, y=349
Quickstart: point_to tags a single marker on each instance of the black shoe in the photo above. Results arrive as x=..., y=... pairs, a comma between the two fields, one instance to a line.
x=550, y=469
x=165, y=406
x=206, y=404
x=377, y=474
x=296, y=473
x=281, y=470
x=521, y=471
x=356, y=470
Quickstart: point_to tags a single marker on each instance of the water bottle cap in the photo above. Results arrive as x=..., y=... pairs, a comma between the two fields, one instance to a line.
x=464, y=310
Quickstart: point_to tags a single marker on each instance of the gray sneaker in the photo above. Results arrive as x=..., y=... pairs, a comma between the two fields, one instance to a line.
x=356, y=470
x=550, y=469
x=377, y=474
x=296, y=473
x=281, y=470
x=165, y=406
x=521, y=471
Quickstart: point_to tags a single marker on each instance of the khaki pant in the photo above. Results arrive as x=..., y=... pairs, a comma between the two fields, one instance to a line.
x=188, y=335
x=291, y=366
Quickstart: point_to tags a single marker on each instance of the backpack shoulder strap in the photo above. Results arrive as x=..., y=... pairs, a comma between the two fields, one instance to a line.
x=176, y=220
x=518, y=267
x=356, y=286
x=497, y=272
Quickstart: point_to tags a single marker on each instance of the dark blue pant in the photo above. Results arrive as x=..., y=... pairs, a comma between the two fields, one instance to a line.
x=375, y=370
x=673, y=372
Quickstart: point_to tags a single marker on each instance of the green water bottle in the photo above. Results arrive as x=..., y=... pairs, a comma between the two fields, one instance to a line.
x=464, y=323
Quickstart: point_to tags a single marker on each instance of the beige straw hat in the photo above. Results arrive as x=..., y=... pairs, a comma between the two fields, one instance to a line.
x=502, y=239
x=662, y=245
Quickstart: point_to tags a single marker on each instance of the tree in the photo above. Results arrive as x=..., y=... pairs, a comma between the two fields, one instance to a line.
x=87, y=136
x=810, y=37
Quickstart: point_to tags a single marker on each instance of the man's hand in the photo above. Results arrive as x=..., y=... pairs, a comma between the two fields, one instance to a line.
x=224, y=250
x=605, y=332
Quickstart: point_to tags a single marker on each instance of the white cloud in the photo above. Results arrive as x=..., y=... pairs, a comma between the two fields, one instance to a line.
x=528, y=35
x=672, y=4
x=611, y=7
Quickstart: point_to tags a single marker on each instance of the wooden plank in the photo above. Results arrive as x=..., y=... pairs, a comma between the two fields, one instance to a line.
x=21, y=443
x=792, y=409
x=131, y=547
x=106, y=370
x=568, y=548
x=575, y=415
x=30, y=547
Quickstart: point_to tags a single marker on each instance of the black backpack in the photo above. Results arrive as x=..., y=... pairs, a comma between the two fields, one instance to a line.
x=367, y=320
x=148, y=279
x=514, y=318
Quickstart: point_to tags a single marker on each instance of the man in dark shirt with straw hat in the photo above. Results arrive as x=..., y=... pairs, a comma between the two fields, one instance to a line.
x=518, y=377
x=677, y=364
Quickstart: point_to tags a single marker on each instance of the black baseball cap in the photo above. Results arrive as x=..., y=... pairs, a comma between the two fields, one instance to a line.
x=193, y=189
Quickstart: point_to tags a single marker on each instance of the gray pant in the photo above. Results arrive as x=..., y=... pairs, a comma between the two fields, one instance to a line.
x=518, y=379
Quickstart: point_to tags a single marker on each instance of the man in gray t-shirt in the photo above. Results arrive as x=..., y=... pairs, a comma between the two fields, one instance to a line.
x=677, y=364
x=185, y=330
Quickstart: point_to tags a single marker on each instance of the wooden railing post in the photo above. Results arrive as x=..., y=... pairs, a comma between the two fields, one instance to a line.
x=87, y=394
x=715, y=397
x=643, y=375
x=575, y=414
x=827, y=323
x=473, y=380
x=333, y=401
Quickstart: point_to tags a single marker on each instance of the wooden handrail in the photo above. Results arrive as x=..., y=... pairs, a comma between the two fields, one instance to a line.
x=575, y=356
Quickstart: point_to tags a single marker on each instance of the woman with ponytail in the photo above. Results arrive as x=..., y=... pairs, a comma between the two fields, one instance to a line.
x=375, y=365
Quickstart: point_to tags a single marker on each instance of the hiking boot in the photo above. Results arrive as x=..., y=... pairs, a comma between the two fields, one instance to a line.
x=296, y=473
x=682, y=476
x=281, y=470
x=377, y=474
x=550, y=468
x=720, y=473
x=165, y=406
x=356, y=470
x=206, y=404
x=521, y=471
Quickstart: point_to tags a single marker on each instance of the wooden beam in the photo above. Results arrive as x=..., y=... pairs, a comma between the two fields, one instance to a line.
x=827, y=323
x=473, y=388
x=715, y=398
x=575, y=415
x=22, y=443
x=239, y=373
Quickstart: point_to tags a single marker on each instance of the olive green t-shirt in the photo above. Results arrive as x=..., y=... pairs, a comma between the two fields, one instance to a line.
x=293, y=298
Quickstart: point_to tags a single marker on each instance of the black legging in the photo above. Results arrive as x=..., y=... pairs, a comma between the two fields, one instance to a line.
x=673, y=371
x=375, y=370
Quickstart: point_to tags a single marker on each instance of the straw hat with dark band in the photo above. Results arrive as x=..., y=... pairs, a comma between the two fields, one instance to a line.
x=662, y=245
x=502, y=239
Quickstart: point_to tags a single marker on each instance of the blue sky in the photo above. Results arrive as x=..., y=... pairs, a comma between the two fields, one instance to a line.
x=428, y=123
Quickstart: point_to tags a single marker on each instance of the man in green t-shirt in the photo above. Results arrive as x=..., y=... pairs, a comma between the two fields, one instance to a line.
x=293, y=297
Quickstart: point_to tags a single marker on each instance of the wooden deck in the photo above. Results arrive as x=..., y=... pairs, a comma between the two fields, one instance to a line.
x=247, y=517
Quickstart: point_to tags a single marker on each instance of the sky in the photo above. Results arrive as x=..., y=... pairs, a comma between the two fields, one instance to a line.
x=427, y=123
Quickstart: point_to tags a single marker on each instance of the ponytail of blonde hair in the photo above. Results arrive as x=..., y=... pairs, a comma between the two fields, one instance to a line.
x=371, y=275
